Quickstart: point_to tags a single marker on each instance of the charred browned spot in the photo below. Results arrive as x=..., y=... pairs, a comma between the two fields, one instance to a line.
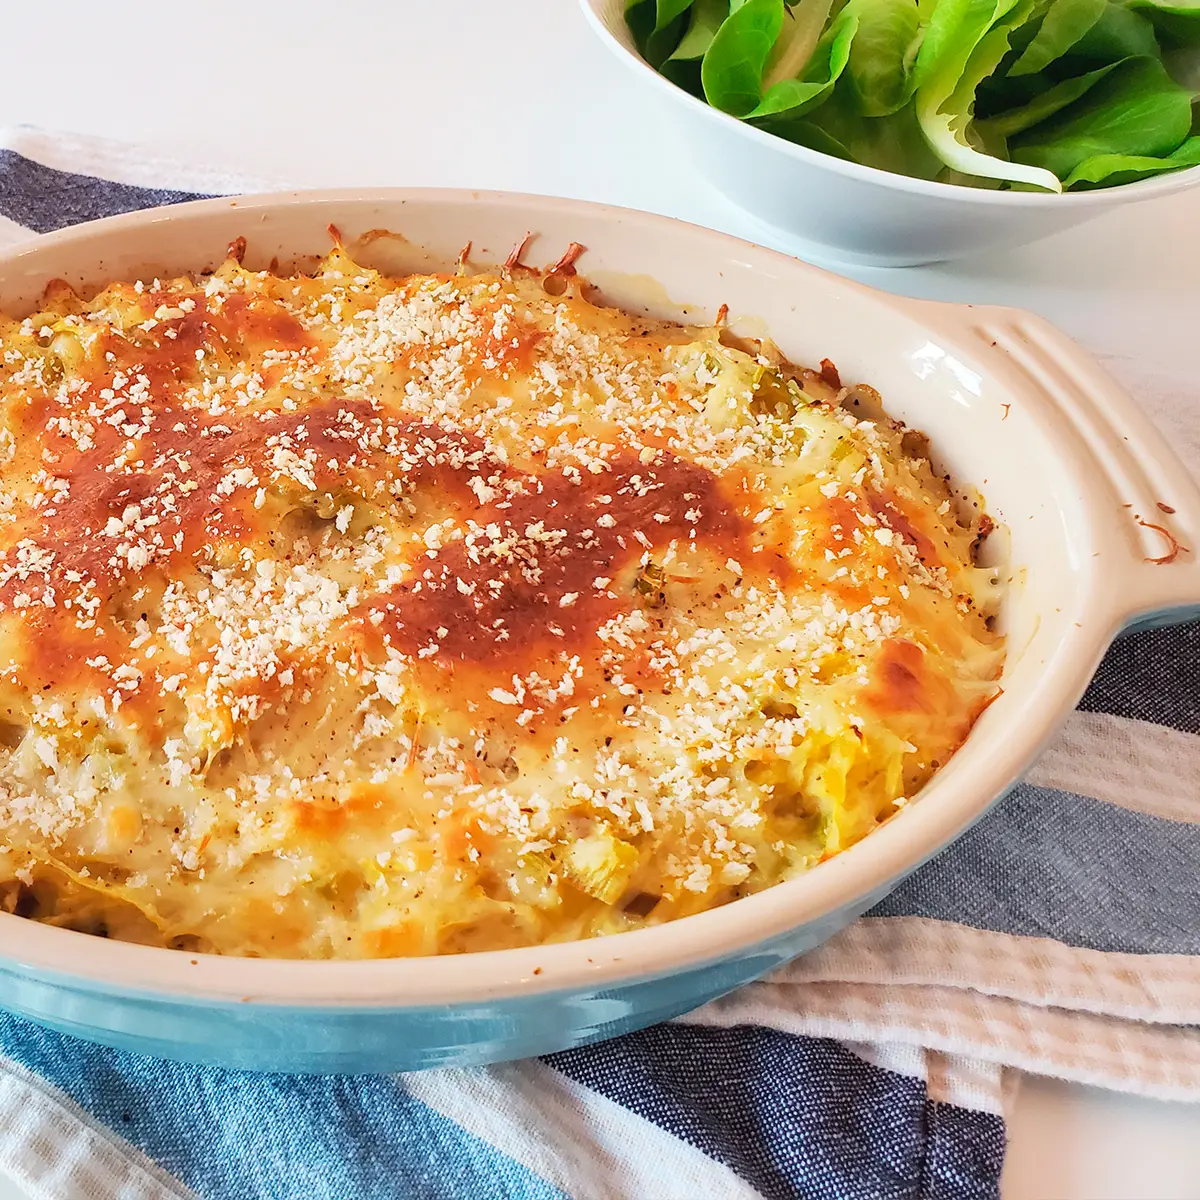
x=167, y=352
x=165, y=355
x=559, y=536
x=173, y=503
x=985, y=529
x=906, y=688
x=830, y=376
x=263, y=322
x=566, y=264
x=27, y=416
x=513, y=261
x=889, y=508
x=900, y=681
x=57, y=652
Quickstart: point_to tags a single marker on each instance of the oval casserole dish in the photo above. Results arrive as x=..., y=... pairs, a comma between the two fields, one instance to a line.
x=1064, y=459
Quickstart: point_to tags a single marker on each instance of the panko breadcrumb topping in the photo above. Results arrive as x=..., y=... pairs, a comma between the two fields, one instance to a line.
x=345, y=615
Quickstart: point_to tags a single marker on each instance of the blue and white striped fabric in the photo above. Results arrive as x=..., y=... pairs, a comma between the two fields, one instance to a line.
x=1062, y=935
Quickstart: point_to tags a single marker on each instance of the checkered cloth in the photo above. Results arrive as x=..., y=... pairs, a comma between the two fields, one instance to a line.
x=1061, y=935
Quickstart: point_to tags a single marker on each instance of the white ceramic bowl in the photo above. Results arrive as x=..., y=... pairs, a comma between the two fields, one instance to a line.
x=839, y=212
x=1010, y=404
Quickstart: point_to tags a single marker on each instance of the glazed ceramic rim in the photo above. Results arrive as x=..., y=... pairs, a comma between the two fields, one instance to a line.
x=1141, y=189
x=941, y=812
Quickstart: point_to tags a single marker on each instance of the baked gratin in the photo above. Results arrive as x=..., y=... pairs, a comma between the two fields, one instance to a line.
x=346, y=616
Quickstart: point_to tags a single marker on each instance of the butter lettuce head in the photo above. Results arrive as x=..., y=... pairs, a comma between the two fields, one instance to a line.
x=1043, y=95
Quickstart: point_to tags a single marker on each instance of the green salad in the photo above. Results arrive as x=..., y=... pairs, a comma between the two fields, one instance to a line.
x=1019, y=94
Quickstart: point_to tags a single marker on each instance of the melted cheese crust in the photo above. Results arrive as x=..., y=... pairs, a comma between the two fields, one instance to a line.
x=348, y=616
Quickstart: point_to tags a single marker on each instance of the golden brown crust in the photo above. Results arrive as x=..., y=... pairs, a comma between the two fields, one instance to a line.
x=343, y=615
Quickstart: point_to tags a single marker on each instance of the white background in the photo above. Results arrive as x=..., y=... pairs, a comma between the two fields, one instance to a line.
x=516, y=94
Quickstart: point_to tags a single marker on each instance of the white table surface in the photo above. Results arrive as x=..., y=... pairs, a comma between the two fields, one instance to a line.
x=516, y=94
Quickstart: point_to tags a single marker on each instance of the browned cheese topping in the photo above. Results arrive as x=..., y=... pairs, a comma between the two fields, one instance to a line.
x=345, y=615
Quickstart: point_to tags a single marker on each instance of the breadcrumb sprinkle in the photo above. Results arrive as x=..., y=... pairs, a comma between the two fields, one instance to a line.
x=344, y=615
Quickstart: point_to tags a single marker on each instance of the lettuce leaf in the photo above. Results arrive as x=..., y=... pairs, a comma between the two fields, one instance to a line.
x=965, y=42
x=1177, y=22
x=890, y=143
x=682, y=67
x=657, y=26
x=792, y=97
x=1065, y=22
x=802, y=28
x=1106, y=170
x=1135, y=110
x=1119, y=33
x=1026, y=94
x=704, y=19
x=879, y=74
x=639, y=16
x=1189, y=9
x=732, y=68
x=666, y=11
x=1015, y=120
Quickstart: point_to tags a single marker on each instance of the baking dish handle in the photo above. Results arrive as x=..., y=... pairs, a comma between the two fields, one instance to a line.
x=1156, y=501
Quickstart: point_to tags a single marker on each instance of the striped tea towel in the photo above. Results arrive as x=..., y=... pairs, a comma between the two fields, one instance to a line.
x=1062, y=935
